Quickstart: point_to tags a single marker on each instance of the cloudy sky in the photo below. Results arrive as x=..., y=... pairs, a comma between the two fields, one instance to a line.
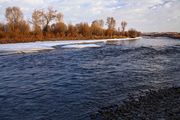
x=144, y=15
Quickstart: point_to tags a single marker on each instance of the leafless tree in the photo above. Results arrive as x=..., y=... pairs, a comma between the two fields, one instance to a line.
x=97, y=27
x=49, y=16
x=98, y=23
x=111, y=22
x=13, y=15
x=59, y=28
x=43, y=19
x=84, y=29
x=123, y=25
x=59, y=18
x=37, y=19
x=72, y=30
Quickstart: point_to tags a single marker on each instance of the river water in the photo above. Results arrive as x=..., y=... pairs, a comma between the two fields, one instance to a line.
x=70, y=84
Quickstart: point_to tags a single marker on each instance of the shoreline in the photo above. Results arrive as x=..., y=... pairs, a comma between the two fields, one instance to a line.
x=59, y=39
x=49, y=45
x=168, y=34
x=75, y=40
x=154, y=104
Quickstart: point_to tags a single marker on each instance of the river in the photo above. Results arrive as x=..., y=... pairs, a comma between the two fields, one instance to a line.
x=70, y=83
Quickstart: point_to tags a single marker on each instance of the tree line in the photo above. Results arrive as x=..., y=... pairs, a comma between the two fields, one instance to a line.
x=49, y=25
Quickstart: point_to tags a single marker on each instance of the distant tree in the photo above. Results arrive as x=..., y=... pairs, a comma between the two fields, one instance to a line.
x=72, y=31
x=98, y=23
x=42, y=19
x=16, y=26
x=2, y=34
x=84, y=29
x=133, y=33
x=97, y=27
x=49, y=16
x=14, y=16
x=59, y=18
x=111, y=22
x=119, y=29
x=1, y=27
x=123, y=25
x=37, y=20
x=24, y=27
x=59, y=28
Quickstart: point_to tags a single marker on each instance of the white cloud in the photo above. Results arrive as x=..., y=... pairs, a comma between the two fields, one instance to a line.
x=34, y=2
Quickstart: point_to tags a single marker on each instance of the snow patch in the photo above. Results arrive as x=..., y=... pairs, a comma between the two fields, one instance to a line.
x=49, y=45
x=81, y=46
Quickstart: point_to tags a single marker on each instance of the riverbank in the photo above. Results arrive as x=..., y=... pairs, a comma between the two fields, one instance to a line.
x=28, y=39
x=161, y=104
x=49, y=45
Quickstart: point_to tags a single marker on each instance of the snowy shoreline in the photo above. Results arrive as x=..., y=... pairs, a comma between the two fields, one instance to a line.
x=49, y=45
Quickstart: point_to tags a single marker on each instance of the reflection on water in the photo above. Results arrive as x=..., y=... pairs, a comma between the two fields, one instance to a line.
x=69, y=84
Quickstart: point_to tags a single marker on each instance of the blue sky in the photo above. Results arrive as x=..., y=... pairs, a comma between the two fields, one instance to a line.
x=144, y=15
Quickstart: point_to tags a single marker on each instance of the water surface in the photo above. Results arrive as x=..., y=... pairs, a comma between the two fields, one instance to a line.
x=70, y=84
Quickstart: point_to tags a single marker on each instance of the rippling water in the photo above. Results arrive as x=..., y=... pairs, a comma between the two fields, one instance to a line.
x=69, y=84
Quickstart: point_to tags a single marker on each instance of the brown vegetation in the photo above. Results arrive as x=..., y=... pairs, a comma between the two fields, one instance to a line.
x=49, y=25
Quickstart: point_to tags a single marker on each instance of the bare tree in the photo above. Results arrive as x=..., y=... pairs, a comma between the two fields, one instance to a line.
x=97, y=27
x=14, y=15
x=49, y=16
x=84, y=29
x=37, y=19
x=98, y=23
x=123, y=25
x=59, y=18
x=72, y=30
x=2, y=35
x=43, y=19
x=24, y=27
x=1, y=27
x=59, y=28
x=119, y=29
x=111, y=22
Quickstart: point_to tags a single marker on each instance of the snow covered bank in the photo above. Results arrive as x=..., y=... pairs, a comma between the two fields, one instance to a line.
x=48, y=45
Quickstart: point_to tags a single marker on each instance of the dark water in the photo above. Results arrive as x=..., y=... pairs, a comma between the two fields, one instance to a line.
x=70, y=84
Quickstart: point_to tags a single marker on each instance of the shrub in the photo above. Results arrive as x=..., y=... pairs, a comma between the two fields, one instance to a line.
x=132, y=33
